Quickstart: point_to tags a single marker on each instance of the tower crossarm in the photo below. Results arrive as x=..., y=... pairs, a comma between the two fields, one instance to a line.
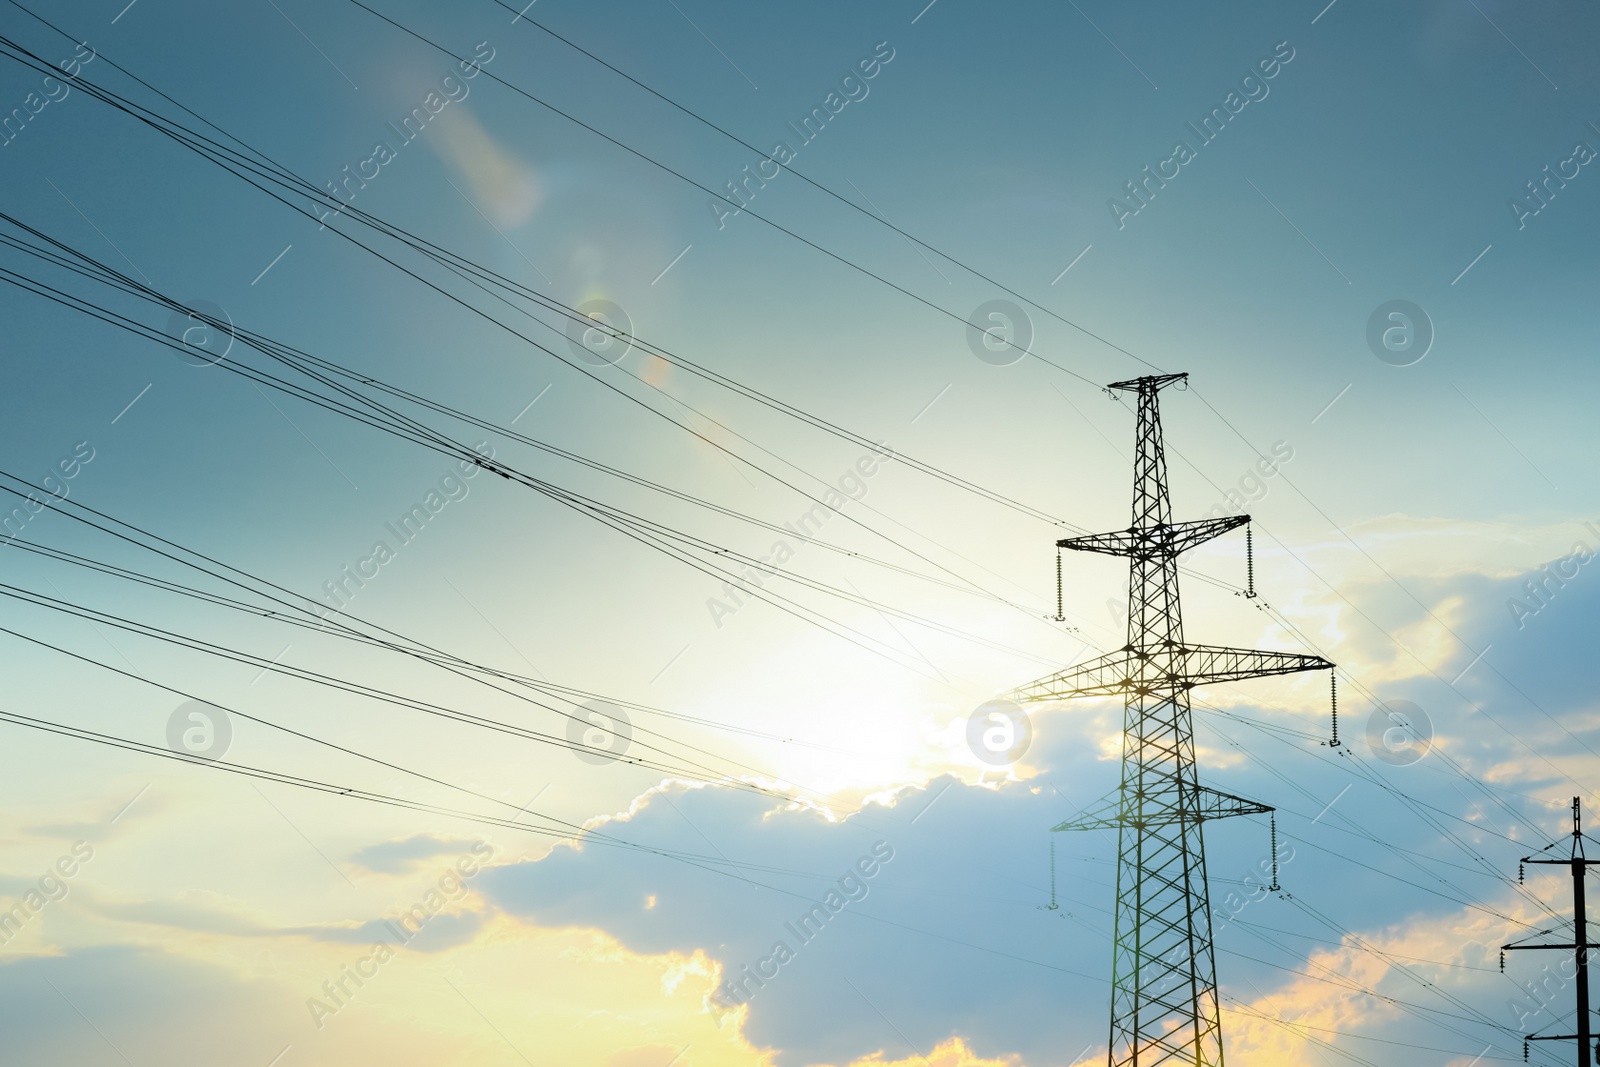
x=1153, y=383
x=1162, y=539
x=1204, y=804
x=1131, y=671
x=1205, y=664
x=1104, y=676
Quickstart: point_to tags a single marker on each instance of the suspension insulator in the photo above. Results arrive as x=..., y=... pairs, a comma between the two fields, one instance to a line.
x=1274, y=887
x=1061, y=615
x=1249, y=563
x=1333, y=692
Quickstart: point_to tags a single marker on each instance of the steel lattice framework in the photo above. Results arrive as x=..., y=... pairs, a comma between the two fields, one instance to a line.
x=1164, y=985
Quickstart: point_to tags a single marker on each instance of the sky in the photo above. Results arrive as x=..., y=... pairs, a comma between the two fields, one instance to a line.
x=1375, y=264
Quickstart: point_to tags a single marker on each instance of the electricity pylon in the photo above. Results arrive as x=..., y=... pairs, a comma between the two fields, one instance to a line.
x=1164, y=981
x=1580, y=941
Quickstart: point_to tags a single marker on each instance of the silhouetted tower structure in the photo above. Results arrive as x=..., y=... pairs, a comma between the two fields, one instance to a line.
x=1580, y=940
x=1164, y=984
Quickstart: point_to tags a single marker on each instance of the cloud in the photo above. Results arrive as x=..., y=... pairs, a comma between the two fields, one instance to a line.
x=113, y=817
x=397, y=857
x=71, y=1008
x=191, y=912
x=945, y=939
x=598, y=953
x=440, y=932
x=950, y=943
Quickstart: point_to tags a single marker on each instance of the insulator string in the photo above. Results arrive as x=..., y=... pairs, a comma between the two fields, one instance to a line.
x=1052, y=874
x=1249, y=563
x=1061, y=616
x=1274, y=887
x=1333, y=690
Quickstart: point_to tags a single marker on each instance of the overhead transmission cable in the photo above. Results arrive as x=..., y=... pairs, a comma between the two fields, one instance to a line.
x=323, y=626
x=533, y=23
x=293, y=355
x=298, y=605
x=281, y=176
x=710, y=864
x=264, y=167
x=675, y=543
x=392, y=641
x=1246, y=442
x=687, y=768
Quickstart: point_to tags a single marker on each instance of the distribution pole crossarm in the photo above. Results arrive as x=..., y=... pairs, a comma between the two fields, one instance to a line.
x=1165, y=1008
x=1580, y=945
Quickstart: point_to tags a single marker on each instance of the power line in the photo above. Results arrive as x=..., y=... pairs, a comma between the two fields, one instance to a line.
x=713, y=865
x=1297, y=490
x=297, y=605
x=700, y=772
x=666, y=539
x=291, y=182
x=846, y=201
x=323, y=626
x=478, y=275
x=392, y=642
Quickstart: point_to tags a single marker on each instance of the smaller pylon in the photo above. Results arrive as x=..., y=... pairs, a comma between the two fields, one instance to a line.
x=1580, y=940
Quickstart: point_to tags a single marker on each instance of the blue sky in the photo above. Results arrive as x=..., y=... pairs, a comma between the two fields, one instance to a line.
x=1379, y=162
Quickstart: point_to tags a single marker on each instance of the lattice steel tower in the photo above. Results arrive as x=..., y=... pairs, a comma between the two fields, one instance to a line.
x=1164, y=985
